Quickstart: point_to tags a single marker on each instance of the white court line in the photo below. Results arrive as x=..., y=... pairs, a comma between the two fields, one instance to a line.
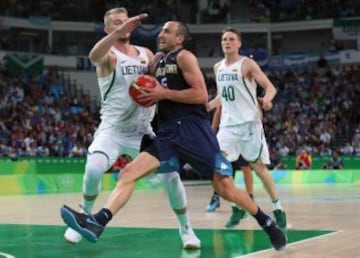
x=6, y=255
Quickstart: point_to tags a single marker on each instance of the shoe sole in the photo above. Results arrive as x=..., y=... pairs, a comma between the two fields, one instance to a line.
x=70, y=220
x=211, y=208
x=191, y=246
x=232, y=225
x=70, y=242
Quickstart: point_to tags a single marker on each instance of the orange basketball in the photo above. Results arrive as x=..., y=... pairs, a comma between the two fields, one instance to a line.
x=139, y=86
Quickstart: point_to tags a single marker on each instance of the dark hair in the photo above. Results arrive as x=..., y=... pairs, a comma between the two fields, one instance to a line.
x=233, y=30
x=183, y=30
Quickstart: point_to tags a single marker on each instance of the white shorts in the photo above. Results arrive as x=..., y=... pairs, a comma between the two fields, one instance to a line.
x=246, y=139
x=114, y=141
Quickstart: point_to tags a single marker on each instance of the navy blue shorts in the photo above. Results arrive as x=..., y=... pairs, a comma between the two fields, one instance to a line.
x=240, y=162
x=189, y=140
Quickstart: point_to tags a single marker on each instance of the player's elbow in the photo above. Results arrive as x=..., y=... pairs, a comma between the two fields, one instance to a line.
x=94, y=58
x=203, y=98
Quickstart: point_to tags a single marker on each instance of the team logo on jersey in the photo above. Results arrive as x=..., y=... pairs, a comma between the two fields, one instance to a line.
x=142, y=61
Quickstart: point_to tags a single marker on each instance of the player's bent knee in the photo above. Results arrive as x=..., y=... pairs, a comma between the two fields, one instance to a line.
x=175, y=190
x=92, y=172
x=95, y=167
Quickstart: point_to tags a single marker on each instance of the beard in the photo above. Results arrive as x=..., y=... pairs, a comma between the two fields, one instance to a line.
x=164, y=50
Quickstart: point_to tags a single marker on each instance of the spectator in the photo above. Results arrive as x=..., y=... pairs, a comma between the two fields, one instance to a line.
x=303, y=160
x=348, y=149
x=276, y=162
x=335, y=162
x=78, y=150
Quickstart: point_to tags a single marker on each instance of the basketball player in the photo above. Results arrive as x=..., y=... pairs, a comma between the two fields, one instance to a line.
x=123, y=123
x=240, y=129
x=239, y=164
x=184, y=135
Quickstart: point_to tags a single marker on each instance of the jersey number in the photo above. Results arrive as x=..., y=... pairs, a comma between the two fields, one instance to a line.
x=228, y=93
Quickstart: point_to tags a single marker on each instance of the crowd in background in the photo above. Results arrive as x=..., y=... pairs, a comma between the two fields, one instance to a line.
x=313, y=109
x=317, y=109
x=39, y=117
x=296, y=10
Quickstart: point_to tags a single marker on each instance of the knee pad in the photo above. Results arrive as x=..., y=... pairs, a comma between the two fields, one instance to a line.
x=96, y=165
x=175, y=189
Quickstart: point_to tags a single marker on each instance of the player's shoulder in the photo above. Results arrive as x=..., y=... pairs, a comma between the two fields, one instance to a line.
x=142, y=48
x=184, y=53
x=247, y=61
x=186, y=57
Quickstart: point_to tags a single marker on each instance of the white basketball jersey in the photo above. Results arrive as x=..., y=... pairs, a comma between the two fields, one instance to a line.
x=238, y=94
x=117, y=108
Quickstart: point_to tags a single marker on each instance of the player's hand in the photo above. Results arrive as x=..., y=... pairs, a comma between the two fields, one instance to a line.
x=265, y=104
x=130, y=24
x=154, y=94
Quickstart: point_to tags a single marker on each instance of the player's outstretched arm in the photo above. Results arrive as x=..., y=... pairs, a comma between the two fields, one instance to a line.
x=98, y=53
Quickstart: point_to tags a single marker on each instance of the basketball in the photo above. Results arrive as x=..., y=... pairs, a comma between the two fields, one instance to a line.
x=139, y=86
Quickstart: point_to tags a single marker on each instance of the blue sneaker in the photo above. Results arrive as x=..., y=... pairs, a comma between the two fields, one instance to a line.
x=84, y=224
x=214, y=203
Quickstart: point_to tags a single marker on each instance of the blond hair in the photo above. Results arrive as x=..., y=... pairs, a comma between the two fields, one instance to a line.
x=113, y=11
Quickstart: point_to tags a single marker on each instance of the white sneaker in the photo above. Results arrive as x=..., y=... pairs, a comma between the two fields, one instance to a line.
x=72, y=236
x=189, y=239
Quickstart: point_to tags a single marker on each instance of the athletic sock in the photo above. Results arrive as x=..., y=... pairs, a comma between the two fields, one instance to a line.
x=276, y=205
x=184, y=221
x=103, y=216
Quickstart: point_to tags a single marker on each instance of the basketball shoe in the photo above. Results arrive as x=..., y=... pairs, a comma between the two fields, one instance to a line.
x=84, y=224
x=189, y=239
x=214, y=203
x=277, y=237
x=280, y=218
x=237, y=215
x=72, y=237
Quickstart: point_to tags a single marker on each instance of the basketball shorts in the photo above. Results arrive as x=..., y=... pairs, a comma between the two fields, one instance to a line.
x=240, y=162
x=247, y=140
x=112, y=141
x=189, y=140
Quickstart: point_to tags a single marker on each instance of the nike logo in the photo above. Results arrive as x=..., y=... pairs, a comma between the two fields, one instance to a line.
x=90, y=221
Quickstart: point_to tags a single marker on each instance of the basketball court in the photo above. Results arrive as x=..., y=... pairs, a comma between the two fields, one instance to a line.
x=324, y=221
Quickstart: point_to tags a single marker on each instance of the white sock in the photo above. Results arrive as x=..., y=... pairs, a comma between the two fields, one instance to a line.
x=184, y=221
x=177, y=197
x=277, y=205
